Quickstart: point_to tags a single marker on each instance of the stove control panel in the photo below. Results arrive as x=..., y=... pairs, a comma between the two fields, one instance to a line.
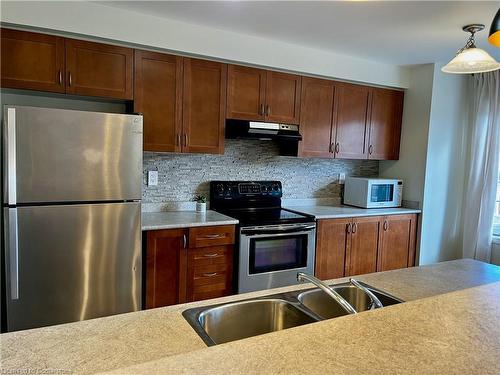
x=245, y=189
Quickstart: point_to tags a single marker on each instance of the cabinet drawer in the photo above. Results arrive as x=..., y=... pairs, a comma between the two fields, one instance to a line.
x=211, y=236
x=208, y=255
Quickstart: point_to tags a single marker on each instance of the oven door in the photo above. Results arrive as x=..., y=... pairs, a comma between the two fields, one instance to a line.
x=271, y=256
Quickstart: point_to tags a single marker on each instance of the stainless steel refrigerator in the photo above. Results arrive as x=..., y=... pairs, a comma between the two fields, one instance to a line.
x=72, y=215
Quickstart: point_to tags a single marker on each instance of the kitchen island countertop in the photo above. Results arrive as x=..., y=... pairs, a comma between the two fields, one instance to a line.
x=183, y=219
x=457, y=332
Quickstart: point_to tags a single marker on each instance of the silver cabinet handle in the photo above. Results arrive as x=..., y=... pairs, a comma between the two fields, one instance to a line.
x=210, y=255
x=349, y=228
x=330, y=149
x=210, y=274
x=354, y=227
x=184, y=241
x=337, y=148
x=179, y=140
x=185, y=140
x=13, y=252
x=60, y=77
x=70, y=80
x=386, y=225
x=370, y=149
x=261, y=112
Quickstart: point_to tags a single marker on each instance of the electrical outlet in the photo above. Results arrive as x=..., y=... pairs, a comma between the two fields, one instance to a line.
x=152, y=178
x=342, y=178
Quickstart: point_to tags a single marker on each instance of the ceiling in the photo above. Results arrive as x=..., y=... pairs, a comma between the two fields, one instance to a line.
x=395, y=32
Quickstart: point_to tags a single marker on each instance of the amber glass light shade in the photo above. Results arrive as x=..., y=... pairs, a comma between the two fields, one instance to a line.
x=494, y=37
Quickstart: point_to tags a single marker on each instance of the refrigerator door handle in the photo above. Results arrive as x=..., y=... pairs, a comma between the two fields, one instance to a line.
x=13, y=252
x=10, y=157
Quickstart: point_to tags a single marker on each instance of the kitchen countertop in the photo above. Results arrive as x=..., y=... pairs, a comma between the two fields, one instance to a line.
x=457, y=331
x=337, y=212
x=183, y=219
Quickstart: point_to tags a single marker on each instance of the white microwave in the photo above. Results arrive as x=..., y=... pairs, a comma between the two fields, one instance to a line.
x=373, y=192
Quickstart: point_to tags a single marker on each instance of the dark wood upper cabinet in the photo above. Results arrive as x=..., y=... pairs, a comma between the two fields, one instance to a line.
x=260, y=95
x=158, y=96
x=332, y=240
x=385, y=124
x=351, y=109
x=246, y=91
x=397, y=242
x=204, y=104
x=166, y=267
x=32, y=61
x=316, y=117
x=282, y=97
x=361, y=255
x=97, y=69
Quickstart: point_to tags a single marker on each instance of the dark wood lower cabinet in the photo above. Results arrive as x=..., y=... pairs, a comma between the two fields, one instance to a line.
x=185, y=265
x=355, y=246
x=398, y=239
x=210, y=272
x=331, y=242
x=361, y=255
x=166, y=267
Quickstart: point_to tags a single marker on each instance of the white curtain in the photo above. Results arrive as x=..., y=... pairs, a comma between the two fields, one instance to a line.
x=483, y=169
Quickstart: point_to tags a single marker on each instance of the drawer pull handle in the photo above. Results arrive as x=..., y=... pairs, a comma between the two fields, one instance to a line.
x=213, y=236
x=211, y=255
x=210, y=274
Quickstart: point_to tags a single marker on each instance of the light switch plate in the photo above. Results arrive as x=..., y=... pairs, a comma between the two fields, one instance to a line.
x=152, y=178
x=342, y=178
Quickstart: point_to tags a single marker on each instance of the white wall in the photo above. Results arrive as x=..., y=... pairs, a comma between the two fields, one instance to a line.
x=441, y=237
x=433, y=158
x=97, y=20
x=414, y=135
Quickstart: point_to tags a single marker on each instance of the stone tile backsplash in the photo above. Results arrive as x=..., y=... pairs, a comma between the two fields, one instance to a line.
x=181, y=176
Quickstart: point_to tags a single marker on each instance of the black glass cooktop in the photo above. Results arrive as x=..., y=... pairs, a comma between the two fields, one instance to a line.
x=266, y=216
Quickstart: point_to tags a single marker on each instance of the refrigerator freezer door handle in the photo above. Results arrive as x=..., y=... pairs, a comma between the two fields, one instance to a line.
x=13, y=252
x=10, y=149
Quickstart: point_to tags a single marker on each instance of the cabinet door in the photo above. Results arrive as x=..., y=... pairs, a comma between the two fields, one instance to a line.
x=246, y=90
x=316, y=117
x=351, y=135
x=210, y=272
x=204, y=104
x=166, y=267
x=97, y=69
x=282, y=97
x=32, y=61
x=158, y=96
x=385, y=124
x=361, y=255
x=398, y=238
x=332, y=240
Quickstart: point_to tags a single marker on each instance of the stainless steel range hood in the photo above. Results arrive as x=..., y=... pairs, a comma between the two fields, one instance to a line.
x=262, y=130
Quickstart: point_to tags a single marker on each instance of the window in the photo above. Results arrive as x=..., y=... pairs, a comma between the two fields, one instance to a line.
x=496, y=218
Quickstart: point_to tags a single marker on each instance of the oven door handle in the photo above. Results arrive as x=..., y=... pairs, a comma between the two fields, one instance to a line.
x=300, y=228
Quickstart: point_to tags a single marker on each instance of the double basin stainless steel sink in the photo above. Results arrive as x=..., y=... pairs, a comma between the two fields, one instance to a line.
x=222, y=323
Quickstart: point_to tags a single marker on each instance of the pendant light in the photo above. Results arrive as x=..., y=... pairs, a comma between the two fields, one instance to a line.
x=471, y=59
x=494, y=37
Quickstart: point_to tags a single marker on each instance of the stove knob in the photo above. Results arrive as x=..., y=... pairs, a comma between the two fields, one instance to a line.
x=220, y=188
x=276, y=187
x=264, y=188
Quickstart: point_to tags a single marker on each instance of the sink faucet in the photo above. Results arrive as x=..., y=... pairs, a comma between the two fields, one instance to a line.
x=375, y=301
x=301, y=277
